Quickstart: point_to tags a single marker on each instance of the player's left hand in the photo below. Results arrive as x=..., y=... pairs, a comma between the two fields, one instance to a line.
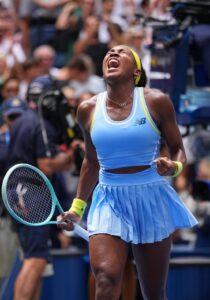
x=165, y=166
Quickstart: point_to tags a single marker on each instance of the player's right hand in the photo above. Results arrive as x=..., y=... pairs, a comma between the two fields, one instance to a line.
x=68, y=218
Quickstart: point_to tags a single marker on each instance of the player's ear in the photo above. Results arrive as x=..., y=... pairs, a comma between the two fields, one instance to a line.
x=137, y=73
x=137, y=76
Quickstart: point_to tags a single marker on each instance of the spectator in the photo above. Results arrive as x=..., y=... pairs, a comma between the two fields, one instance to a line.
x=30, y=69
x=136, y=39
x=71, y=22
x=89, y=8
x=161, y=10
x=89, y=43
x=10, y=88
x=145, y=8
x=24, y=13
x=50, y=5
x=45, y=55
x=37, y=19
x=107, y=32
x=4, y=70
x=10, y=44
x=127, y=9
x=78, y=73
x=68, y=25
x=203, y=170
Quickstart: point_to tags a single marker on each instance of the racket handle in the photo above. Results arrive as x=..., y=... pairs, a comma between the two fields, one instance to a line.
x=77, y=229
x=81, y=232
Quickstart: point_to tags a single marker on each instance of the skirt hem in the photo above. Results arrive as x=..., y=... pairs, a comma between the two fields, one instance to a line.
x=135, y=242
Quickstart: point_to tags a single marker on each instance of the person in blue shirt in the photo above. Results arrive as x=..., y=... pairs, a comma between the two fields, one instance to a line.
x=28, y=145
x=132, y=203
x=11, y=110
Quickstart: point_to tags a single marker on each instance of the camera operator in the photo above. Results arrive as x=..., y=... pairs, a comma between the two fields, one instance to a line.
x=35, y=141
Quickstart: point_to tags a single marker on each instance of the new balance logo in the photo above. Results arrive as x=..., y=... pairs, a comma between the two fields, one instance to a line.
x=140, y=121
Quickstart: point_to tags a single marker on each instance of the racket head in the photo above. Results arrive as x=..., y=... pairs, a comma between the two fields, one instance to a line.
x=29, y=196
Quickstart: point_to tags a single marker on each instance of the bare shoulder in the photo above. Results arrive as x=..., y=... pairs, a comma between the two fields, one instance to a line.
x=85, y=111
x=160, y=106
x=156, y=95
x=158, y=100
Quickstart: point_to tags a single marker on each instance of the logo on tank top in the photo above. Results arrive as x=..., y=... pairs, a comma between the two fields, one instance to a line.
x=140, y=121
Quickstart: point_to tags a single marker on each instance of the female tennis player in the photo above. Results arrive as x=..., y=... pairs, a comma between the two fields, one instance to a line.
x=133, y=202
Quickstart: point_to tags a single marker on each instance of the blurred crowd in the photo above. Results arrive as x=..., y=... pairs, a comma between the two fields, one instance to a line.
x=66, y=40
x=41, y=37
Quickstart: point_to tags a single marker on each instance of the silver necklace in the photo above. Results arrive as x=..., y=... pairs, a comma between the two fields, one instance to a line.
x=120, y=104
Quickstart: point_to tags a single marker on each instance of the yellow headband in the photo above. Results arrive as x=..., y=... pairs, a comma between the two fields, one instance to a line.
x=138, y=64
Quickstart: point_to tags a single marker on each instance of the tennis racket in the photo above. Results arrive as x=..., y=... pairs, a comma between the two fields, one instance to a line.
x=30, y=198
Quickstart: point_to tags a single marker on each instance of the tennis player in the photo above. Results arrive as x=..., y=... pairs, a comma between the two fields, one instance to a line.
x=133, y=202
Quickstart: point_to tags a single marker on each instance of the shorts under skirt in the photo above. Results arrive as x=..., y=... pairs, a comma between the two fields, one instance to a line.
x=139, y=207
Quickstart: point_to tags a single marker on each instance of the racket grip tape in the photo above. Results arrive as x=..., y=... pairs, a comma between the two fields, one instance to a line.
x=81, y=232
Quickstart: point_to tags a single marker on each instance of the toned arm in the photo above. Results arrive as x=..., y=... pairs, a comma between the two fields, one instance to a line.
x=90, y=166
x=169, y=129
x=162, y=111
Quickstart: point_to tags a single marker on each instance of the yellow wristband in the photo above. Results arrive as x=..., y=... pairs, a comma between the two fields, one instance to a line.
x=78, y=206
x=179, y=168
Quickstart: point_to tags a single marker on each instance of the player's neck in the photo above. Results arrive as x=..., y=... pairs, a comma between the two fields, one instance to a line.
x=119, y=93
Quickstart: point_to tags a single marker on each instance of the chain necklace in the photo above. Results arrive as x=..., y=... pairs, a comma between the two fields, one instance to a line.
x=121, y=105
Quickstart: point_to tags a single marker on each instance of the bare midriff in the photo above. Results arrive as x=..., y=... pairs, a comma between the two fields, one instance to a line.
x=127, y=170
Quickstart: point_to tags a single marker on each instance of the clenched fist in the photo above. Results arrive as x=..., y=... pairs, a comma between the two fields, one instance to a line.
x=165, y=166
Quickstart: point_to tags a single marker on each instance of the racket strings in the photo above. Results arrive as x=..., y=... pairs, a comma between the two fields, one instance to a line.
x=29, y=196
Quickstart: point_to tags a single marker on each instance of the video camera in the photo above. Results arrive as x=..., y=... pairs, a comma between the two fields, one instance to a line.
x=188, y=13
x=199, y=10
x=53, y=106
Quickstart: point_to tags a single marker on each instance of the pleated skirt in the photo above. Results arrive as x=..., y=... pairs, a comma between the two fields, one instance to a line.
x=139, y=207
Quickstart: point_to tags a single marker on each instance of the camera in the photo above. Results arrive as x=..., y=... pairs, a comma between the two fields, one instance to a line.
x=47, y=93
x=57, y=111
x=53, y=106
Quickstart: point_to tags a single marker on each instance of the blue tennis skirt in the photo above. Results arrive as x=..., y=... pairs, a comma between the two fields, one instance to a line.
x=139, y=207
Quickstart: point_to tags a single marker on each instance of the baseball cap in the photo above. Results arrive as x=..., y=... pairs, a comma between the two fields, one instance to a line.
x=13, y=105
x=40, y=85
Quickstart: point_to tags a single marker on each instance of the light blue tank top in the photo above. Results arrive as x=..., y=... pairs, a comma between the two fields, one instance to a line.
x=134, y=141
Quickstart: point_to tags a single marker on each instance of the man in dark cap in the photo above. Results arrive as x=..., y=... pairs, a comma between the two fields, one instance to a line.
x=11, y=110
x=13, y=107
x=29, y=145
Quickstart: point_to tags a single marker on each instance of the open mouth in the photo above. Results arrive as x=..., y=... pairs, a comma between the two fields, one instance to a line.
x=113, y=63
